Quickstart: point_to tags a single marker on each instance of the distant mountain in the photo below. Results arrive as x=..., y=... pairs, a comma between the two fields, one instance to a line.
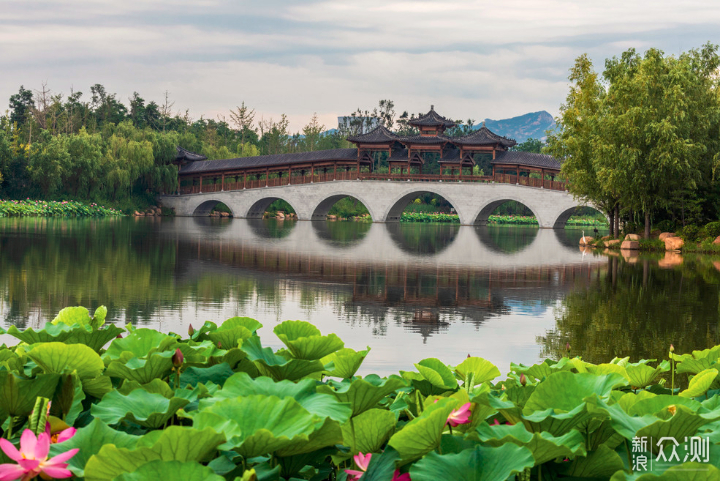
x=527, y=126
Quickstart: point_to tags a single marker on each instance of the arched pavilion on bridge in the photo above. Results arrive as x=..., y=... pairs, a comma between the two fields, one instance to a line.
x=456, y=155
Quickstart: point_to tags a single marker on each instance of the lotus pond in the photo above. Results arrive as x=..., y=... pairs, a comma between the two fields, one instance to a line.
x=83, y=398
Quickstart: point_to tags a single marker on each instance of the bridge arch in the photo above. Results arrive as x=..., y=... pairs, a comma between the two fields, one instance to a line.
x=481, y=218
x=258, y=207
x=320, y=211
x=398, y=204
x=204, y=208
x=562, y=219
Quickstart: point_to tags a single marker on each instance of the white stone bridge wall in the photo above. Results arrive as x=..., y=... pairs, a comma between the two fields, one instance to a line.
x=385, y=200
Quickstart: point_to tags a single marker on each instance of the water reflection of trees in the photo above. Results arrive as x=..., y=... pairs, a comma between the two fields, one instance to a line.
x=341, y=234
x=416, y=238
x=271, y=228
x=638, y=310
x=506, y=239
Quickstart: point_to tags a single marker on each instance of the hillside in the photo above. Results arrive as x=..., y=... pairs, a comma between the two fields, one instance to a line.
x=532, y=125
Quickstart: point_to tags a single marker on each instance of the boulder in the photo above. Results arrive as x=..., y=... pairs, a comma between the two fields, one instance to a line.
x=606, y=238
x=665, y=235
x=331, y=217
x=139, y=214
x=671, y=260
x=280, y=216
x=586, y=240
x=716, y=265
x=717, y=240
x=225, y=214
x=674, y=244
x=633, y=237
x=612, y=242
x=630, y=245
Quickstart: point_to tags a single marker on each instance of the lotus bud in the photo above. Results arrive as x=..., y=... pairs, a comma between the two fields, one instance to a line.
x=178, y=358
x=672, y=348
x=469, y=356
x=191, y=331
x=119, y=336
x=567, y=346
x=523, y=379
x=220, y=344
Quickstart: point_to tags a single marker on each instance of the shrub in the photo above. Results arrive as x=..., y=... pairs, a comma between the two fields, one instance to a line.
x=689, y=233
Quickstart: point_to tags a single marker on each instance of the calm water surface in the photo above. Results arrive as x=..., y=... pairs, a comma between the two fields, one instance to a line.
x=409, y=291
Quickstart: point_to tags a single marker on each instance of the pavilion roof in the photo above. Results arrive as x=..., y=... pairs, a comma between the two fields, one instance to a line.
x=432, y=119
x=265, y=161
x=184, y=154
x=484, y=136
x=378, y=135
x=425, y=139
x=528, y=159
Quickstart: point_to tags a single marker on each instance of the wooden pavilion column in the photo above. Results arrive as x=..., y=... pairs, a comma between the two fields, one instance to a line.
x=542, y=178
x=178, y=188
x=267, y=176
x=244, y=178
x=334, y=170
x=312, y=173
x=201, y=179
x=517, y=178
x=222, y=183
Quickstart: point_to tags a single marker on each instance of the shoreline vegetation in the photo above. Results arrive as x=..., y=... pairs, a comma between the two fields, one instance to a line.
x=214, y=405
x=64, y=208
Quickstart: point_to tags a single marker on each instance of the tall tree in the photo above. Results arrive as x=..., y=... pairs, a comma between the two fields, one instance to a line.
x=21, y=105
x=243, y=117
x=312, y=132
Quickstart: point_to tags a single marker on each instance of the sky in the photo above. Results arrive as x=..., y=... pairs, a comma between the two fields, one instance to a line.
x=470, y=59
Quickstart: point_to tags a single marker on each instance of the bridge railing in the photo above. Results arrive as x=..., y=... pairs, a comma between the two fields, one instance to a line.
x=329, y=177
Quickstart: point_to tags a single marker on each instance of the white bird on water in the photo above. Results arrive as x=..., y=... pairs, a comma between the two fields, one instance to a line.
x=583, y=237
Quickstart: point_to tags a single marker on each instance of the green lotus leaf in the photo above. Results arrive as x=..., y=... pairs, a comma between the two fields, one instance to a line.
x=480, y=463
x=423, y=434
x=602, y=463
x=680, y=472
x=542, y=370
x=156, y=386
x=437, y=373
x=685, y=421
x=363, y=393
x=141, y=343
x=329, y=434
x=74, y=316
x=157, y=365
x=57, y=357
x=230, y=337
x=642, y=375
x=564, y=391
x=247, y=322
x=700, y=383
x=367, y=432
x=50, y=333
x=275, y=366
x=548, y=420
x=258, y=425
x=139, y=406
x=89, y=440
x=609, y=368
x=345, y=362
x=154, y=470
x=304, y=392
x=480, y=369
x=97, y=386
x=217, y=374
x=382, y=466
x=69, y=398
x=95, y=338
x=175, y=443
x=305, y=341
x=17, y=395
x=656, y=404
x=10, y=361
x=544, y=446
x=627, y=400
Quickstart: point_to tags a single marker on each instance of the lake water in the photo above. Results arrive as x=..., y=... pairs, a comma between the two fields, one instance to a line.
x=409, y=291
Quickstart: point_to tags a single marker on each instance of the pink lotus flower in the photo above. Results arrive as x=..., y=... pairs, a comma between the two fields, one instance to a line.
x=460, y=416
x=362, y=461
x=400, y=477
x=32, y=459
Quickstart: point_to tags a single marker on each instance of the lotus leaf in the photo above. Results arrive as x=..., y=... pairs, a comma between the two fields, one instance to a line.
x=565, y=391
x=89, y=440
x=278, y=367
x=363, y=393
x=642, y=375
x=602, y=463
x=422, y=434
x=75, y=316
x=57, y=357
x=700, y=383
x=257, y=425
x=139, y=406
x=544, y=447
x=157, y=365
x=344, y=363
x=68, y=400
x=216, y=374
x=367, y=432
x=156, y=386
x=680, y=472
x=230, y=337
x=141, y=343
x=154, y=470
x=172, y=444
x=304, y=340
x=477, y=464
x=437, y=373
x=97, y=386
x=304, y=392
x=480, y=369
x=542, y=370
x=17, y=395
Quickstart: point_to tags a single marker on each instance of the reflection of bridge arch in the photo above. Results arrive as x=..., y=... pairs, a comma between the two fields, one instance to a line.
x=271, y=228
x=321, y=210
x=433, y=242
x=331, y=232
x=398, y=204
x=257, y=209
x=206, y=207
x=523, y=237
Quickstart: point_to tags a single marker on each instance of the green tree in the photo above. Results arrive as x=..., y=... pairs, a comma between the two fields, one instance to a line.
x=47, y=158
x=312, y=132
x=83, y=165
x=530, y=145
x=21, y=105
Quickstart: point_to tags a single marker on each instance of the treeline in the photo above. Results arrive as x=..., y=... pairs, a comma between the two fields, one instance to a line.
x=642, y=140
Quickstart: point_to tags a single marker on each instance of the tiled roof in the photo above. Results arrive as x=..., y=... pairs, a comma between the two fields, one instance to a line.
x=483, y=136
x=262, y=161
x=529, y=159
x=425, y=139
x=432, y=119
x=184, y=154
x=378, y=135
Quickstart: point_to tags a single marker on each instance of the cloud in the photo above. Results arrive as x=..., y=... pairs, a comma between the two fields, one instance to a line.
x=469, y=58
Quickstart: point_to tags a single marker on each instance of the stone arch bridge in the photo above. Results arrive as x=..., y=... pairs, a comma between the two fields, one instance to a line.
x=385, y=200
